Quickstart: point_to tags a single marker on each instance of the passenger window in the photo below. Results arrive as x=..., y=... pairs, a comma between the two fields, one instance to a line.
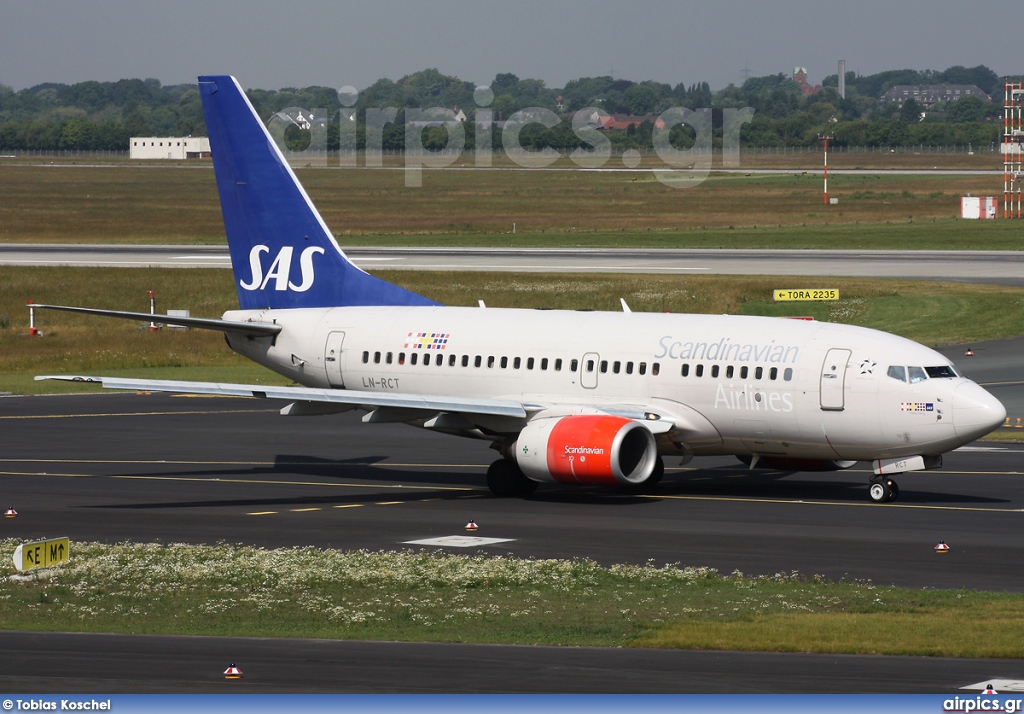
x=529, y=363
x=477, y=361
x=714, y=371
x=376, y=357
x=642, y=368
x=451, y=360
x=655, y=369
x=504, y=362
x=629, y=368
x=590, y=365
x=465, y=360
x=604, y=366
x=616, y=366
x=898, y=371
x=544, y=363
x=388, y=356
x=515, y=363
x=412, y=358
x=758, y=372
x=743, y=372
x=401, y=358
x=572, y=365
x=728, y=372
x=788, y=374
x=490, y=362
x=698, y=371
x=685, y=370
x=917, y=374
x=773, y=373
x=366, y=357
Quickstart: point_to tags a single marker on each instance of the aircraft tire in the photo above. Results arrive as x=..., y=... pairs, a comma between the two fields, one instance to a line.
x=894, y=491
x=506, y=480
x=659, y=471
x=879, y=491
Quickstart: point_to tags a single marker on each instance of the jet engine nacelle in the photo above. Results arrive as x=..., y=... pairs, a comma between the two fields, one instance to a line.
x=595, y=449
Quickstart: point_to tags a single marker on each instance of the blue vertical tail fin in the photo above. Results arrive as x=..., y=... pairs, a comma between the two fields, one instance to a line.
x=282, y=253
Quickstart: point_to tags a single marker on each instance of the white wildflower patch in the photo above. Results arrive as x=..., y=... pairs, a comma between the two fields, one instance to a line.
x=346, y=593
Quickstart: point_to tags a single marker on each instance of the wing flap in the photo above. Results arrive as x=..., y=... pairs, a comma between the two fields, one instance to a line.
x=428, y=404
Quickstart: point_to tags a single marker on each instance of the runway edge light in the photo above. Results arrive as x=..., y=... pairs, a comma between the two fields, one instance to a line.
x=471, y=526
x=942, y=547
x=10, y=512
x=232, y=672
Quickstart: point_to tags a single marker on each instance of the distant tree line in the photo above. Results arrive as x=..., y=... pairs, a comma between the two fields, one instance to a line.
x=104, y=115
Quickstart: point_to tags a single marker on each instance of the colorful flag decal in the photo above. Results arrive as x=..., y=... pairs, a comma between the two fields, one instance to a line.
x=426, y=340
x=917, y=407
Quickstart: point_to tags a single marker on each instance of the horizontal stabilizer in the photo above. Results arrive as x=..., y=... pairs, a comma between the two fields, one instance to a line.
x=256, y=329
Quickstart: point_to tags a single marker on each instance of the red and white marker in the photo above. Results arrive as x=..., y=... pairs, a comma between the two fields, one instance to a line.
x=10, y=513
x=969, y=352
x=942, y=547
x=471, y=526
x=232, y=672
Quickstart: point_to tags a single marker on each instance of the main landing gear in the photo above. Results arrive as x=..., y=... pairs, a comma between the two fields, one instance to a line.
x=883, y=489
x=505, y=479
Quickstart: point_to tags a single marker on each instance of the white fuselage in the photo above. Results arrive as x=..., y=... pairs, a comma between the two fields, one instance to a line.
x=729, y=384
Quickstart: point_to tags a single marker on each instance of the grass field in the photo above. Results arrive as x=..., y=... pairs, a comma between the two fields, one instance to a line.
x=432, y=596
x=132, y=204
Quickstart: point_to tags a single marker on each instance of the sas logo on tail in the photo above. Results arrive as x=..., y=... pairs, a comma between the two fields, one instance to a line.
x=280, y=269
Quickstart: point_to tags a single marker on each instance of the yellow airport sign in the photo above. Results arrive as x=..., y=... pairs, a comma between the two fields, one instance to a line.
x=807, y=294
x=41, y=554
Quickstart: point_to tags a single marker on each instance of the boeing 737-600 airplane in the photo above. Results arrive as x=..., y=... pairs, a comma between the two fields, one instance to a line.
x=594, y=398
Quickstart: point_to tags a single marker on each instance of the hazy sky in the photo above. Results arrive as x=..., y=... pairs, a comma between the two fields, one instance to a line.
x=273, y=44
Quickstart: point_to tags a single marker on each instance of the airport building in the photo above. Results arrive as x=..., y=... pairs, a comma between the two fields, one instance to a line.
x=929, y=94
x=173, y=147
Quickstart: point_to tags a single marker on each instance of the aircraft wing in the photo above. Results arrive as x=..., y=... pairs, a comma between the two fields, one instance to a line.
x=428, y=404
x=257, y=329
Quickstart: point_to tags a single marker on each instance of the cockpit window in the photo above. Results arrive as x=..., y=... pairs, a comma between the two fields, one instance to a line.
x=917, y=374
x=898, y=371
x=943, y=372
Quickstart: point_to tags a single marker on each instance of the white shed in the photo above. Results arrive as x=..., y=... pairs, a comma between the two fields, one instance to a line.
x=169, y=147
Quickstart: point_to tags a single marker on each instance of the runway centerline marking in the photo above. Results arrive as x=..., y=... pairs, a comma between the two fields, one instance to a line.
x=195, y=479
x=800, y=502
x=138, y=414
x=169, y=462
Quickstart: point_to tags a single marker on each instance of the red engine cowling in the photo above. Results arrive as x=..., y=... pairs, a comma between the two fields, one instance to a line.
x=595, y=449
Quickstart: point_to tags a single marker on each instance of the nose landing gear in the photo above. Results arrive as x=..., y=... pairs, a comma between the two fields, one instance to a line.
x=883, y=490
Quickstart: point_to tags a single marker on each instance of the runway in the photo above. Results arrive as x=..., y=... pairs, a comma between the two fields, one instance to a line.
x=150, y=467
x=1001, y=267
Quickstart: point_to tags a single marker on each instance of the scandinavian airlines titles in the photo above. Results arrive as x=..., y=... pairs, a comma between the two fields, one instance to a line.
x=725, y=350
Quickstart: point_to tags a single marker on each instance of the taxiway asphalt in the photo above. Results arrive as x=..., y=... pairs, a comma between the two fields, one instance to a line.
x=150, y=467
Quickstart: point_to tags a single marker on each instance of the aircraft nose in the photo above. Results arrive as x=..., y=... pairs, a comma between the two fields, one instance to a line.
x=975, y=411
